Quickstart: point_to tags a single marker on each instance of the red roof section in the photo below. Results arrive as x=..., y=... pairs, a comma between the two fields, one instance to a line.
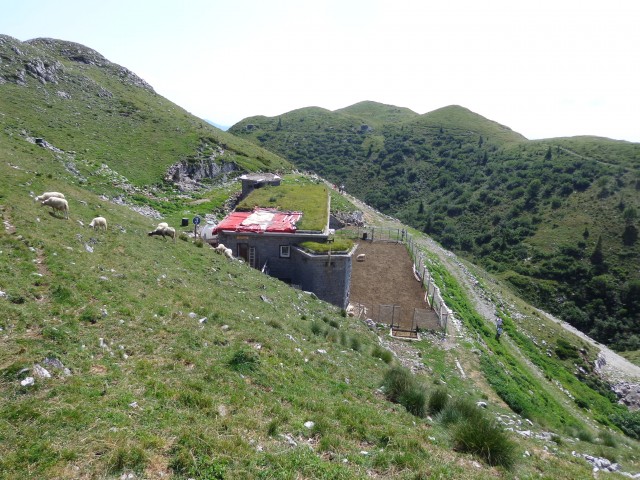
x=259, y=221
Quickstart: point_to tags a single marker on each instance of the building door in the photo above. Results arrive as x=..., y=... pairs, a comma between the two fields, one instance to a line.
x=243, y=251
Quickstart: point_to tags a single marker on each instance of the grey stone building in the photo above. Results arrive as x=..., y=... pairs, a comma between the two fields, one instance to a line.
x=267, y=239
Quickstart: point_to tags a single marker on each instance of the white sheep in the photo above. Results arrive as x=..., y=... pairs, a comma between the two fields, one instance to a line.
x=220, y=248
x=162, y=225
x=99, y=222
x=360, y=258
x=228, y=253
x=165, y=232
x=57, y=203
x=47, y=195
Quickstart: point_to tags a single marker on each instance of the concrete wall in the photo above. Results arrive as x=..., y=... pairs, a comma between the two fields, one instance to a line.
x=328, y=280
x=329, y=277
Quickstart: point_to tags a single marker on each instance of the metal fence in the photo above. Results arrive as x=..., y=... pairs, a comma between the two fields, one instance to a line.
x=432, y=291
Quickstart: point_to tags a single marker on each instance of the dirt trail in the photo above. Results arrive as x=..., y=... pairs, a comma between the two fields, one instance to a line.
x=611, y=366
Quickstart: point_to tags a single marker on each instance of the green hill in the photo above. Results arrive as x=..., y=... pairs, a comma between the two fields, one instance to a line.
x=77, y=101
x=129, y=356
x=530, y=211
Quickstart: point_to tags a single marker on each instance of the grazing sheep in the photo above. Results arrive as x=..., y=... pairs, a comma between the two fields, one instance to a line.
x=162, y=225
x=220, y=248
x=360, y=258
x=57, y=203
x=46, y=195
x=228, y=253
x=99, y=222
x=165, y=232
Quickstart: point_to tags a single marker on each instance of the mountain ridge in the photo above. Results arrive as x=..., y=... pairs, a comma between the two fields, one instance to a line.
x=532, y=210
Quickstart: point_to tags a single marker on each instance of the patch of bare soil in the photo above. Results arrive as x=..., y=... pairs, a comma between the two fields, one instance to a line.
x=386, y=277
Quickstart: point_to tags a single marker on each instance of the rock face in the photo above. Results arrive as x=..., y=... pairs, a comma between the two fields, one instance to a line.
x=187, y=175
x=628, y=394
x=43, y=58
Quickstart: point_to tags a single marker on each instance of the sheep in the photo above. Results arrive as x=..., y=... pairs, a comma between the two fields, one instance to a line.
x=46, y=195
x=57, y=203
x=228, y=253
x=360, y=258
x=220, y=248
x=165, y=232
x=162, y=225
x=99, y=222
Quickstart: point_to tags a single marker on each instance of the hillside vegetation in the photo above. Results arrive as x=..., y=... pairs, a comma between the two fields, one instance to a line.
x=129, y=356
x=556, y=218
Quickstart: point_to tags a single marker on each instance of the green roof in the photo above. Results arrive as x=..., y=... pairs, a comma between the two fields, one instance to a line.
x=310, y=199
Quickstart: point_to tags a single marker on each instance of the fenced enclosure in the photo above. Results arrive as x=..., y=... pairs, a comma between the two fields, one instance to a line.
x=413, y=315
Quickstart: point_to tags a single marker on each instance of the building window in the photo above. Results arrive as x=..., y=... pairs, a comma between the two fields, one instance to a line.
x=285, y=251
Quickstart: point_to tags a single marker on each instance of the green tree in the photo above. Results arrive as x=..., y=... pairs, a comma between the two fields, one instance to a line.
x=630, y=215
x=597, y=257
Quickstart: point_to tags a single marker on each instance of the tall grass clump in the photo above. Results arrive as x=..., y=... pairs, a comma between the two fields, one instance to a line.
x=481, y=436
x=438, y=400
x=244, y=360
x=402, y=387
x=382, y=353
x=458, y=410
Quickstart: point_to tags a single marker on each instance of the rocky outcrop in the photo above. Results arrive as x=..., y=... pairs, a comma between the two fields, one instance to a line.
x=628, y=394
x=45, y=58
x=188, y=175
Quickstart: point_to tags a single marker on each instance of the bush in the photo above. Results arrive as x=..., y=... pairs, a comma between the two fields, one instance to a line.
x=396, y=381
x=414, y=399
x=484, y=438
x=403, y=388
x=383, y=354
x=438, y=400
x=459, y=410
x=316, y=328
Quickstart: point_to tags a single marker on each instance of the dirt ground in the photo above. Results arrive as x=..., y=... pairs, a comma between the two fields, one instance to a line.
x=386, y=278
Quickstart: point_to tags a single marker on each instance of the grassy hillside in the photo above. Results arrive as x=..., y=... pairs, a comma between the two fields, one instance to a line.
x=129, y=356
x=183, y=364
x=532, y=211
x=79, y=102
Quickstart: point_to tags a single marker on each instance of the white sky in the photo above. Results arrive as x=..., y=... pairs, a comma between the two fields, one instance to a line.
x=545, y=68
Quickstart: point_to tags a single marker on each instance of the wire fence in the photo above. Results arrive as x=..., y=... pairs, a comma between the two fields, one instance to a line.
x=432, y=293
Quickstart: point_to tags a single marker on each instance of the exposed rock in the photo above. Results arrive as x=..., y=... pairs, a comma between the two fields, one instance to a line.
x=40, y=372
x=187, y=175
x=628, y=394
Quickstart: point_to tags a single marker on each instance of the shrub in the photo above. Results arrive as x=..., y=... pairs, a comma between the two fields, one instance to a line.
x=382, y=353
x=396, y=381
x=484, y=438
x=403, y=388
x=414, y=399
x=459, y=410
x=316, y=328
x=565, y=350
x=438, y=400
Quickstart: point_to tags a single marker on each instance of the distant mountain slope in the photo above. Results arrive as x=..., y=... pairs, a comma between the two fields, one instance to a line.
x=77, y=101
x=377, y=113
x=534, y=211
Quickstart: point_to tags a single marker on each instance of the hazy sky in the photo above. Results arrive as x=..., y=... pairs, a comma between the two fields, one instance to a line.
x=545, y=68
